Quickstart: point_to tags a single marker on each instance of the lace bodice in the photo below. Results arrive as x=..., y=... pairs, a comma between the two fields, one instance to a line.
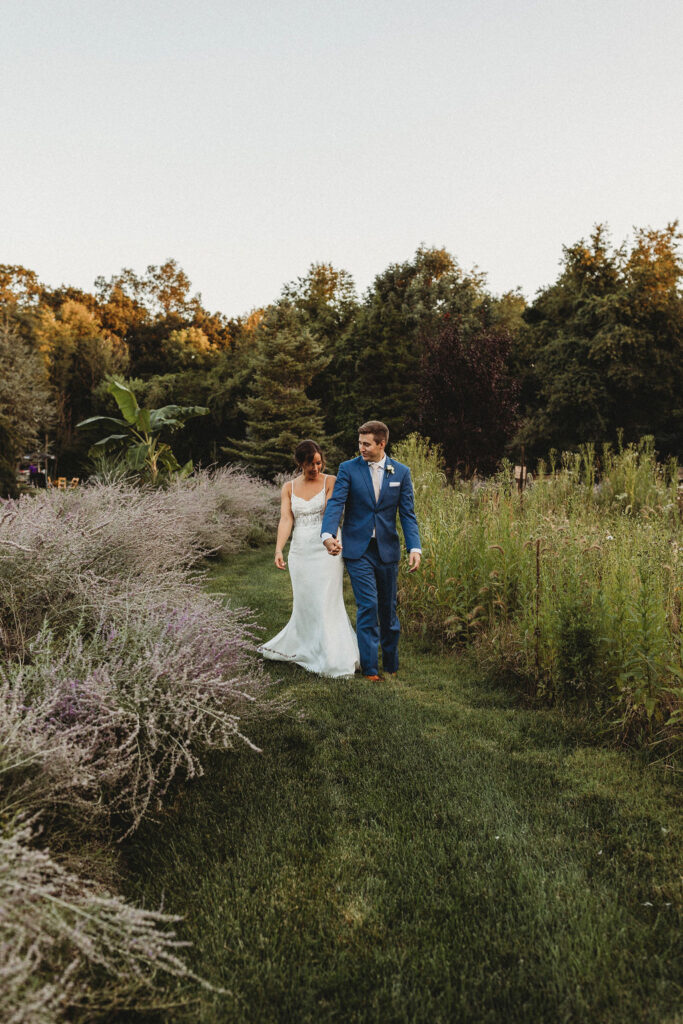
x=308, y=514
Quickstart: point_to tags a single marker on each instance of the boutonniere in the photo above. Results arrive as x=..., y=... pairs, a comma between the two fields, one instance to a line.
x=389, y=469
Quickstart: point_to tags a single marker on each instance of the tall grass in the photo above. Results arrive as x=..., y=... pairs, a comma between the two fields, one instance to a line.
x=117, y=674
x=572, y=587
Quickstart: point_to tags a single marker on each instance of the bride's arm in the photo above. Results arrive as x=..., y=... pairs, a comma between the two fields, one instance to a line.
x=284, y=527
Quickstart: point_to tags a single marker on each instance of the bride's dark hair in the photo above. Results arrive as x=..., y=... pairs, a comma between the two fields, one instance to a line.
x=305, y=452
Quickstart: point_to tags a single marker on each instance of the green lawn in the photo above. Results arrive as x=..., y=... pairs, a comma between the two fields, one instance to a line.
x=420, y=850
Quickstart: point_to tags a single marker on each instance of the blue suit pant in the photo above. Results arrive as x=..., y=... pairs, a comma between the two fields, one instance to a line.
x=374, y=588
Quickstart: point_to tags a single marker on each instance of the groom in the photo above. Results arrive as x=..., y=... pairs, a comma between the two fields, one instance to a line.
x=370, y=490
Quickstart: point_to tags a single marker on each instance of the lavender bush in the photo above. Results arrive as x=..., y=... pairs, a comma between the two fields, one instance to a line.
x=58, y=929
x=229, y=507
x=117, y=673
x=103, y=723
x=73, y=556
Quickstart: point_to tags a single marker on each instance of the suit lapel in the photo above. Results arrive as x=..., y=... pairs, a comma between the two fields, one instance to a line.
x=367, y=476
x=385, y=482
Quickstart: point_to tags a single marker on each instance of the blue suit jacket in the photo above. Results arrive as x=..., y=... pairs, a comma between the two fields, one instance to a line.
x=354, y=495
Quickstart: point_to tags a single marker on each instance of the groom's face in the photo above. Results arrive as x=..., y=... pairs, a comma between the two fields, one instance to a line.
x=371, y=450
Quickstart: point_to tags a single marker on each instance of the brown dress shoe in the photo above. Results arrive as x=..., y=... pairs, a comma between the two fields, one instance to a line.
x=374, y=679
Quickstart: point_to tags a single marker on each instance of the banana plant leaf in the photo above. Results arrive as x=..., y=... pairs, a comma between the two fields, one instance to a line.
x=174, y=415
x=126, y=401
x=143, y=421
x=113, y=441
x=109, y=420
x=136, y=456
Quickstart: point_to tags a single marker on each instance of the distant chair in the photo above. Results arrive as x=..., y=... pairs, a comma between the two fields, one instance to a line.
x=74, y=482
x=61, y=483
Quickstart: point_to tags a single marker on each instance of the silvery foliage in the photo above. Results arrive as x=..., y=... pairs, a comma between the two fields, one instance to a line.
x=55, y=926
x=117, y=672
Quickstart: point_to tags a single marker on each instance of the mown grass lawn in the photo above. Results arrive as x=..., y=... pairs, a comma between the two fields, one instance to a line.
x=421, y=850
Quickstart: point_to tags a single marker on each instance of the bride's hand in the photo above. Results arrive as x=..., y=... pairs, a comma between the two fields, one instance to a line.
x=279, y=560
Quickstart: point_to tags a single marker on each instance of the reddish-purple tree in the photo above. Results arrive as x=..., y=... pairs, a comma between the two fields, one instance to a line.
x=467, y=398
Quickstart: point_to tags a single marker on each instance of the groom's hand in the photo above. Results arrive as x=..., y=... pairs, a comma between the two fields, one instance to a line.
x=333, y=546
x=414, y=559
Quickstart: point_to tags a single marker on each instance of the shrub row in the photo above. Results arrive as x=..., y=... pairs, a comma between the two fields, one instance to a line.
x=117, y=672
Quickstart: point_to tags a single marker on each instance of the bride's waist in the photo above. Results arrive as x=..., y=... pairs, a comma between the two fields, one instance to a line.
x=310, y=522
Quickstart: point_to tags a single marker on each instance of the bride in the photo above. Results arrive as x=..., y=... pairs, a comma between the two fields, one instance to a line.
x=319, y=636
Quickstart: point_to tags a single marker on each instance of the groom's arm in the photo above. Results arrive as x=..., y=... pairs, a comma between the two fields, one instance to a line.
x=335, y=504
x=406, y=512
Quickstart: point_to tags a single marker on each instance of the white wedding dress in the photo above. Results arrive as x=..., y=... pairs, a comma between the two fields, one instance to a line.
x=319, y=636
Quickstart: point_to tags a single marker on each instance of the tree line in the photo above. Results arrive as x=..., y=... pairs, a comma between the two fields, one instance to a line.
x=594, y=356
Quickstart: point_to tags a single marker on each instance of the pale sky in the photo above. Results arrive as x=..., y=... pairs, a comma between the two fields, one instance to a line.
x=249, y=139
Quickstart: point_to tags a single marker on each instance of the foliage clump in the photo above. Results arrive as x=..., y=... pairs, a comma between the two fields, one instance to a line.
x=117, y=674
x=572, y=587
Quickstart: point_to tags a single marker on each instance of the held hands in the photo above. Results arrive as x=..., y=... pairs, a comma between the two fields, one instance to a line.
x=279, y=560
x=414, y=559
x=333, y=545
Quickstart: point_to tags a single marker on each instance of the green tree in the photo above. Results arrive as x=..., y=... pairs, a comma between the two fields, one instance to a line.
x=327, y=303
x=27, y=406
x=147, y=310
x=380, y=353
x=278, y=411
x=604, y=346
x=79, y=354
x=8, y=482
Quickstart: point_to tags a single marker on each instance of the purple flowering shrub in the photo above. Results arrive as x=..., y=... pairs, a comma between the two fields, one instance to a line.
x=58, y=928
x=70, y=556
x=118, y=672
x=110, y=719
x=229, y=507
x=125, y=668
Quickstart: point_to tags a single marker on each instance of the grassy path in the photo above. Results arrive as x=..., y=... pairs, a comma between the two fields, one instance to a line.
x=424, y=850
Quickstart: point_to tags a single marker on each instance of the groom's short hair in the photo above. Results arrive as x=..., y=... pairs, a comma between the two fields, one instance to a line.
x=379, y=430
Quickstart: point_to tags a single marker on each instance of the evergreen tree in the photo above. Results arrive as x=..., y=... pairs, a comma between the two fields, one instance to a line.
x=278, y=411
x=327, y=303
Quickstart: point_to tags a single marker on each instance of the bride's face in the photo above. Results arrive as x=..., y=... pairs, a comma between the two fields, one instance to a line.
x=313, y=469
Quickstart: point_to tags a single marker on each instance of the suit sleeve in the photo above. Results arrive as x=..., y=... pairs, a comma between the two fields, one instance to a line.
x=406, y=512
x=336, y=502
